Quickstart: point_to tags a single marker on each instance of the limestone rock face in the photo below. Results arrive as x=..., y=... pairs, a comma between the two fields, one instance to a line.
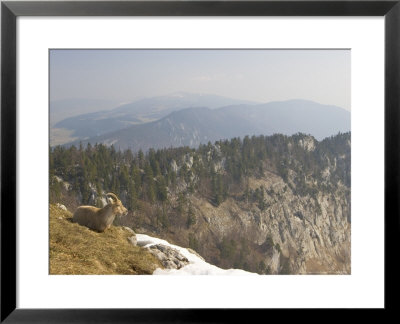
x=273, y=261
x=174, y=166
x=169, y=257
x=313, y=232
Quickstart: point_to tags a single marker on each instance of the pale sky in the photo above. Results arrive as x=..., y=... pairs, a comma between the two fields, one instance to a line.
x=258, y=75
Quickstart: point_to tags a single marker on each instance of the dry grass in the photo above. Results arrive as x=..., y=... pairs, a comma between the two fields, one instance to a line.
x=75, y=249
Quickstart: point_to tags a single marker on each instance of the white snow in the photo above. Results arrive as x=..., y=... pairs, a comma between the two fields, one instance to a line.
x=196, y=265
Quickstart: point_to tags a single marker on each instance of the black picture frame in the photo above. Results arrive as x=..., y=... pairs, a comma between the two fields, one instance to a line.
x=10, y=10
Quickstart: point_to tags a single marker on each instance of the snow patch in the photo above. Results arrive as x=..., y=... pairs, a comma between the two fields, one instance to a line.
x=196, y=265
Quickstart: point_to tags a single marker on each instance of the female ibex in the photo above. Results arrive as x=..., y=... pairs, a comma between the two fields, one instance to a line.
x=99, y=219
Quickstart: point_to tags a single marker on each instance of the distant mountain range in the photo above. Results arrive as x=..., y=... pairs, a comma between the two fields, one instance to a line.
x=193, y=126
x=66, y=108
x=138, y=112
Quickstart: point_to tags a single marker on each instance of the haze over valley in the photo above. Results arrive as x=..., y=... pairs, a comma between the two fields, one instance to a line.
x=91, y=122
x=184, y=119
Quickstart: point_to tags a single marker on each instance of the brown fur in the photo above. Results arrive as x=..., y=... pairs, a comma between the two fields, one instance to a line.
x=99, y=219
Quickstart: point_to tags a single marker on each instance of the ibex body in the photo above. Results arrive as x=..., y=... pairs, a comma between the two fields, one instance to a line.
x=99, y=219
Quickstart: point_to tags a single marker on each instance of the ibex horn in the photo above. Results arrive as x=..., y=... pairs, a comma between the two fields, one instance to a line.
x=113, y=196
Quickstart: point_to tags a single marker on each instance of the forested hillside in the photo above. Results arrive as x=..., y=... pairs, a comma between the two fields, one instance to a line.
x=266, y=204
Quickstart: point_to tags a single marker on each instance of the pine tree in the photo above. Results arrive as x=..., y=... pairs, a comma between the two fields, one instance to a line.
x=193, y=243
x=181, y=203
x=191, y=217
x=161, y=189
x=137, y=179
x=132, y=196
x=149, y=181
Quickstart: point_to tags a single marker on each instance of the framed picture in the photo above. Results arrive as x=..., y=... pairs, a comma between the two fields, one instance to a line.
x=315, y=86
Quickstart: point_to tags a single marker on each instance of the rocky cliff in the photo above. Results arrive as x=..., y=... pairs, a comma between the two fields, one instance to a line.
x=294, y=234
x=295, y=221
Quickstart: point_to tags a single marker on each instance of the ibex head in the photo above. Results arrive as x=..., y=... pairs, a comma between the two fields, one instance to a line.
x=118, y=208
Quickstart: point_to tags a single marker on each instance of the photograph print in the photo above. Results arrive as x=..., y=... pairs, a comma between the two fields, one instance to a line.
x=199, y=162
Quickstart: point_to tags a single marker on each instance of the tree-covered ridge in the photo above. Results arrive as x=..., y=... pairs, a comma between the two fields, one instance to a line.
x=214, y=171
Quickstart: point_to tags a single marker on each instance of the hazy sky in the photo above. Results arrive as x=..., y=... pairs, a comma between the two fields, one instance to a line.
x=260, y=75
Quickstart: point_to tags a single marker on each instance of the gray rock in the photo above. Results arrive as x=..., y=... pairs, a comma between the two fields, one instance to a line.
x=132, y=239
x=168, y=264
x=61, y=206
x=169, y=257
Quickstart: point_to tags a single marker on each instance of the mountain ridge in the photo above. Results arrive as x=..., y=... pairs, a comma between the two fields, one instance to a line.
x=138, y=112
x=199, y=125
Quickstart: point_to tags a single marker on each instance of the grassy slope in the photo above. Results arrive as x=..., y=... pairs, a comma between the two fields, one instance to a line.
x=75, y=249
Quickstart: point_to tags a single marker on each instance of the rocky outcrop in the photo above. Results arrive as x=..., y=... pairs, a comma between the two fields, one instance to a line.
x=131, y=239
x=62, y=207
x=169, y=257
x=308, y=234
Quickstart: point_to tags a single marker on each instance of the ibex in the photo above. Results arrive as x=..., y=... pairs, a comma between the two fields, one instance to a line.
x=99, y=219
